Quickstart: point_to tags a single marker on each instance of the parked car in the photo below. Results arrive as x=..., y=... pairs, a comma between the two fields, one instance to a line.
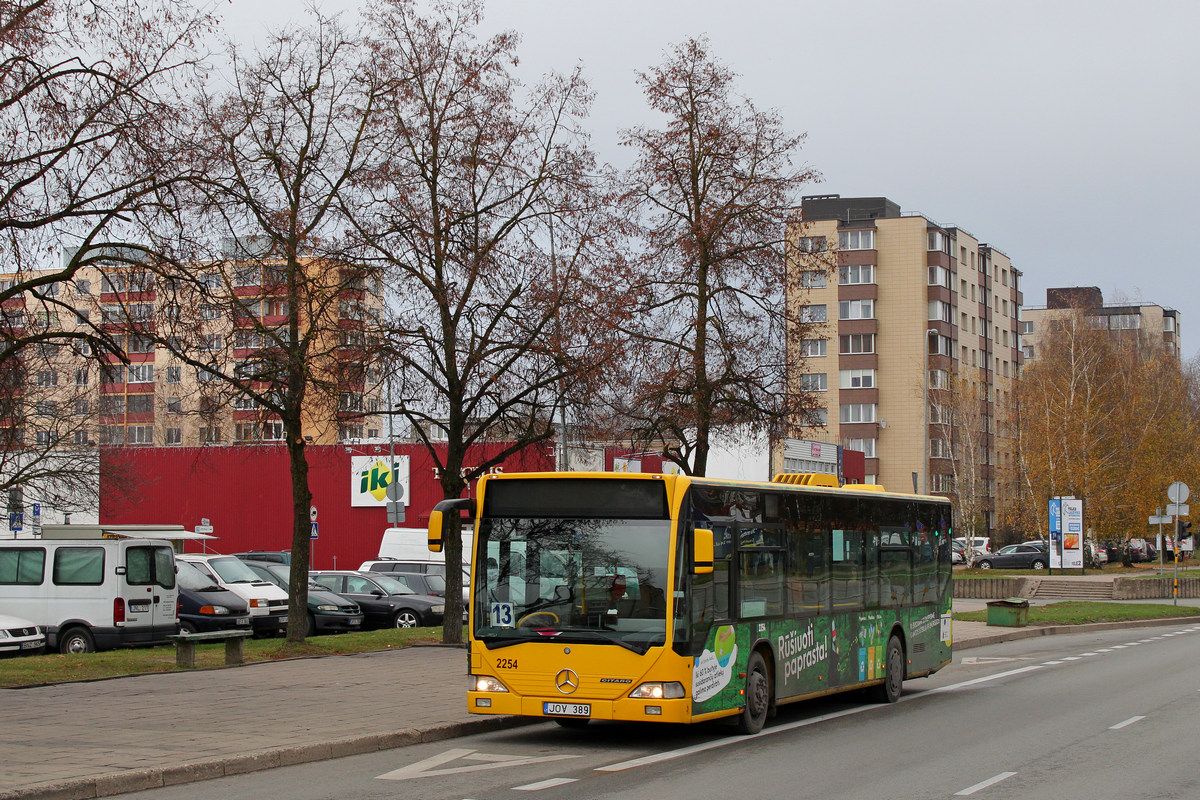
x=276, y=556
x=21, y=636
x=90, y=593
x=981, y=544
x=268, y=603
x=1015, y=556
x=430, y=584
x=958, y=554
x=205, y=606
x=386, y=603
x=327, y=612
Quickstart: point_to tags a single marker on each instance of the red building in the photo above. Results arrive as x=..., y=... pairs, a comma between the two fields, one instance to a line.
x=245, y=493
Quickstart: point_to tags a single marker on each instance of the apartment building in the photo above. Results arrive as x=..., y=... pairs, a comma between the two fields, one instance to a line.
x=237, y=324
x=917, y=350
x=1150, y=323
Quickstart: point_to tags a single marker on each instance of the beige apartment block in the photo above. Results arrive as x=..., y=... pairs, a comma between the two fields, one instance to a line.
x=919, y=347
x=1150, y=323
x=159, y=400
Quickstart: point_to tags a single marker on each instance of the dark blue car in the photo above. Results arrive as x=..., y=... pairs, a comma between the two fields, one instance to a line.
x=205, y=606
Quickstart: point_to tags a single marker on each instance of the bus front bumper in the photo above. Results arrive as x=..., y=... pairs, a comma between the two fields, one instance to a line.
x=624, y=709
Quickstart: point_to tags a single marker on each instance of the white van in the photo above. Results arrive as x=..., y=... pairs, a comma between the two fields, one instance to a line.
x=92, y=594
x=268, y=603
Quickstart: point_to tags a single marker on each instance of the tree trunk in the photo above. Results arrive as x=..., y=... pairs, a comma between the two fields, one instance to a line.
x=297, y=627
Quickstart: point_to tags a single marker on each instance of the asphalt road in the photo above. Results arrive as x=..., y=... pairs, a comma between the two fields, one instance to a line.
x=1084, y=716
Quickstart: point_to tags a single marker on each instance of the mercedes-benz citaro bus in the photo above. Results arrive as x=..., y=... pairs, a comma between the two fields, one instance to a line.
x=670, y=598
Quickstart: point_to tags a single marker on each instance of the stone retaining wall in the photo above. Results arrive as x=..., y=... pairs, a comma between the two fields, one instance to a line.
x=989, y=588
x=1153, y=588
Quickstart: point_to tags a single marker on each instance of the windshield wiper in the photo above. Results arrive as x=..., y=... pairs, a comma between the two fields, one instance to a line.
x=595, y=634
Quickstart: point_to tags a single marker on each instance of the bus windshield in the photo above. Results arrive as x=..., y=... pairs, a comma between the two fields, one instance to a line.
x=572, y=580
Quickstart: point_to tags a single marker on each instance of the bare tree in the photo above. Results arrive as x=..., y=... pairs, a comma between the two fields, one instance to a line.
x=482, y=221
x=91, y=97
x=712, y=191
x=260, y=299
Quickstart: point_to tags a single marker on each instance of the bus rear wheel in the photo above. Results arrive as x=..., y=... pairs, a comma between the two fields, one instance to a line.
x=758, y=696
x=893, y=674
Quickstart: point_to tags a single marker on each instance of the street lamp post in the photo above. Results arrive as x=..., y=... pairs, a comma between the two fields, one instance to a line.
x=925, y=409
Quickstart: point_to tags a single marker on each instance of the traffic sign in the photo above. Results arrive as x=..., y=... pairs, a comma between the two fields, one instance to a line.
x=15, y=518
x=1177, y=509
x=312, y=513
x=1160, y=519
x=313, y=533
x=1178, y=492
x=204, y=529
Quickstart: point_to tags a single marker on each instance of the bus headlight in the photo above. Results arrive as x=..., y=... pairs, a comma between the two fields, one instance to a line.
x=670, y=690
x=480, y=683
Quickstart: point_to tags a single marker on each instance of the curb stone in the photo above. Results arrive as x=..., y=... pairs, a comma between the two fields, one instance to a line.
x=154, y=778
x=1033, y=631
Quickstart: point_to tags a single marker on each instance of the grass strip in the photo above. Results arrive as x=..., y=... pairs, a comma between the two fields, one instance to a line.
x=55, y=668
x=1079, y=612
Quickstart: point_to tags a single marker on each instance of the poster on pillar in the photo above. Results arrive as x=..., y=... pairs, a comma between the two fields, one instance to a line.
x=370, y=477
x=1066, y=546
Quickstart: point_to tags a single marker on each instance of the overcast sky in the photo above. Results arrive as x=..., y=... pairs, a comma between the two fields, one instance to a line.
x=1062, y=133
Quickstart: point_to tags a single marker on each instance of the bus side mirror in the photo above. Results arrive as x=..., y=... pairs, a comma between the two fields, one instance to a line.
x=436, y=518
x=702, y=546
x=435, y=531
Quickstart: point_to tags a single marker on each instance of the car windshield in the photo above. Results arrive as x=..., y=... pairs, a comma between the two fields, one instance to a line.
x=437, y=583
x=232, y=570
x=391, y=585
x=193, y=579
x=576, y=580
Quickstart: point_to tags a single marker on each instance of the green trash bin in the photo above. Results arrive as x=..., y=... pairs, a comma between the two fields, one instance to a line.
x=1011, y=612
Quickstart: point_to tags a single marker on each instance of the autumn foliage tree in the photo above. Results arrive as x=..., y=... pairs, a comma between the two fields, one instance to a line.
x=1105, y=416
x=711, y=192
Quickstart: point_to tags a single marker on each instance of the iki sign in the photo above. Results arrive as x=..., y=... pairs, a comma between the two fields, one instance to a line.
x=370, y=477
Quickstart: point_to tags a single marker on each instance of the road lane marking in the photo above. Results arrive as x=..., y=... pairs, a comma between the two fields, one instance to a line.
x=1129, y=721
x=1085, y=655
x=549, y=783
x=1070, y=658
x=955, y=686
x=1051, y=663
x=985, y=784
x=432, y=766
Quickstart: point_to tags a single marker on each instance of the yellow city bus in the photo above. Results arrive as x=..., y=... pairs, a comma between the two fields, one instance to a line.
x=678, y=599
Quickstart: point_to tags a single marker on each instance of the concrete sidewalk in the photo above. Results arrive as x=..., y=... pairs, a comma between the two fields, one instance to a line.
x=100, y=738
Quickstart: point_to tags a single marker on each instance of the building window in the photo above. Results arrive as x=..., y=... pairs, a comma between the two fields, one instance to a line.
x=141, y=373
x=938, y=415
x=1168, y=324
x=813, y=314
x=245, y=276
x=1124, y=322
x=174, y=374
x=812, y=244
x=812, y=279
x=940, y=345
x=864, y=446
x=46, y=438
x=247, y=340
x=141, y=344
x=245, y=403
x=857, y=412
x=209, y=311
x=814, y=382
x=943, y=484
x=173, y=436
x=246, y=432
x=938, y=448
x=82, y=406
x=272, y=431
x=940, y=311
x=813, y=348
x=856, y=309
x=82, y=316
x=206, y=376
x=111, y=404
x=83, y=286
x=940, y=276
x=47, y=377
x=856, y=379
x=939, y=379
x=275, y=307
x=1027, y=350
x=174, y=405
x=210, y=342
x=937, y=242
x=46, y=408
x=853, y=274
x=81, y=377
x=856, y=240
x=140, y=404
x=817, y=417
x=210, y=436
x=112, y=435
x=139, y=434
x=348, y=432
x=853, y=343
x=81, y=438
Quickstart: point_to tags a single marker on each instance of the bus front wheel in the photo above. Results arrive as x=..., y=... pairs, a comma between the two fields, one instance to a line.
x=893, y=674
x=758, y=696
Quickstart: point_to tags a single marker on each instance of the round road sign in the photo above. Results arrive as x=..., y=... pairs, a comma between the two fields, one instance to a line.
x=1178, y=492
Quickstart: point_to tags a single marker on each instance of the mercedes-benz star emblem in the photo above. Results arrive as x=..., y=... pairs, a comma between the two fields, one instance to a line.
x=566, y=680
